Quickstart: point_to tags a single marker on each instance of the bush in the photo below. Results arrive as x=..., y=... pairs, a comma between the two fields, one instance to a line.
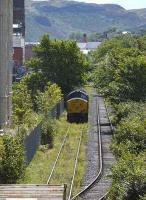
x=129, y=178
x=12, y=159
x=120, y=70
x=130, y=133
x=48, y=99
x=123, y=110
x=47, y=132
x=143, y=198
x=22, y=103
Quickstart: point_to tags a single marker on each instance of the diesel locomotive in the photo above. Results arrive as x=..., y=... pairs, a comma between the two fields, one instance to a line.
x=77, y=106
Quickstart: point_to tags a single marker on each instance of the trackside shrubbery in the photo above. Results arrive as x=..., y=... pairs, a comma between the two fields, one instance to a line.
x=120, y=75
x=120, y=69
x=129, y=178
x=47, y=132
x=58, y=65
x=131, y=133
x=12, y=159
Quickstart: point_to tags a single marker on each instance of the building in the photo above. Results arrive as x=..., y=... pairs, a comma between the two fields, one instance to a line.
x=18, y=32
x=29, y=50
x=86, y=47
x=19, y=17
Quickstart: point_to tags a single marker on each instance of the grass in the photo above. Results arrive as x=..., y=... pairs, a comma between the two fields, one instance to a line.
x=39, y=169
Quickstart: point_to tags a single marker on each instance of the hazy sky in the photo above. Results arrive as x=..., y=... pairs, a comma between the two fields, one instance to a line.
x=128, y=4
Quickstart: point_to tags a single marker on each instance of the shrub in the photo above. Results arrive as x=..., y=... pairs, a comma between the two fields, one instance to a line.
x=129, y=178
x=123, y=110
x=130, y=133
x=12, y=159
x=47, y=132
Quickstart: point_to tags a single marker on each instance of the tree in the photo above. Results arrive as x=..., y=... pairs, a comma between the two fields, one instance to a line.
x=35, y=82
x=22, y=104
x=49, y=98
x=61, y=62
x=120, y=72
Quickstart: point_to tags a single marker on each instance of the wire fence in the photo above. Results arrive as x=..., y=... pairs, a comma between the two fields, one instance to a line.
x=33, y=140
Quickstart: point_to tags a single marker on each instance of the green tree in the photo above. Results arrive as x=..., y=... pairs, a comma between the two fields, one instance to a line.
x=35, y=82
x=61, y=62
x=121, y=74
x=22, y=104
x=49, y=98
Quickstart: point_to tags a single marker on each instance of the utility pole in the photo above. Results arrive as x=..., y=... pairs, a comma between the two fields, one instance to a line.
x=10, y=64
x=6, y=17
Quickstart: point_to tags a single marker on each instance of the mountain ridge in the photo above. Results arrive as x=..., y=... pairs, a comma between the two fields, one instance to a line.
x=62, y=18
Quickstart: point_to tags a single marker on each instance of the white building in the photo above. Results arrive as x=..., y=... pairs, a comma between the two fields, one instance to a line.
x=86, y=47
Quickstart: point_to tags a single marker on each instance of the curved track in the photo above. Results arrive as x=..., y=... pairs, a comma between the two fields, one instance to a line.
x=100, y=158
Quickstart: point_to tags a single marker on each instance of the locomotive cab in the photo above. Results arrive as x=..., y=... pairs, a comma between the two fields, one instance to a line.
x=77, y=106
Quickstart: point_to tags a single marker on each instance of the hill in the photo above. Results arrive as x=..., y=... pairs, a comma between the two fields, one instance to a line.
x=61, y=18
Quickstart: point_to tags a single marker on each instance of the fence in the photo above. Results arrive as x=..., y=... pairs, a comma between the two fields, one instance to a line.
x=33, y=140
x=31, y=143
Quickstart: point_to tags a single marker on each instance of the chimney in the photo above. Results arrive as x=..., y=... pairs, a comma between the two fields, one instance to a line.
x=85, y=38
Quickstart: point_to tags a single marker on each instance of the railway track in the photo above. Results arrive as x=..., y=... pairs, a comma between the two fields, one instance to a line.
x=76, y=158
x=58, y=156
x=100, y=158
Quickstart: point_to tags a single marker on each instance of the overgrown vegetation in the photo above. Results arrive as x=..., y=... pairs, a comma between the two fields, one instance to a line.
x=121, y=69
x=12, y=159
x=47, y=132
x=59, y=66
x=40, y=168
x=120, y=75
x=12, y=162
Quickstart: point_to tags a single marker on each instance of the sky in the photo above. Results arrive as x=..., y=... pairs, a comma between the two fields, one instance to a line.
x=127, y=4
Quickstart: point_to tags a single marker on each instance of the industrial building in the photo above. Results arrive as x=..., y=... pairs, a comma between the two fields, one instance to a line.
x=18, y=31
x=18, y=38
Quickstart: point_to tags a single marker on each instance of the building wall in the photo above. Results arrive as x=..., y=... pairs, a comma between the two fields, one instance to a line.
x=19, y=14
x=18, y=55
x=19, y=32
x=29, y=51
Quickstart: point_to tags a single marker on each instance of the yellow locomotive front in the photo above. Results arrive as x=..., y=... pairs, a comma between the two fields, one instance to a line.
x=77, y=106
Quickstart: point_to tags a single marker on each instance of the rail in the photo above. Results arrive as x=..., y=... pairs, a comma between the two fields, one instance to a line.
x=97, y=178
x=75, y=166
x=58, y=155
x=112, y=128
x=76, y=160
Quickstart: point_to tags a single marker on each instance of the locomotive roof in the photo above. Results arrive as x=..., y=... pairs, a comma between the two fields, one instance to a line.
x=77, y=93
x=80, y=91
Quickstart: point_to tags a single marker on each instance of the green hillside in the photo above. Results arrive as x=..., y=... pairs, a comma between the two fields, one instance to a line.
x=61, y=18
